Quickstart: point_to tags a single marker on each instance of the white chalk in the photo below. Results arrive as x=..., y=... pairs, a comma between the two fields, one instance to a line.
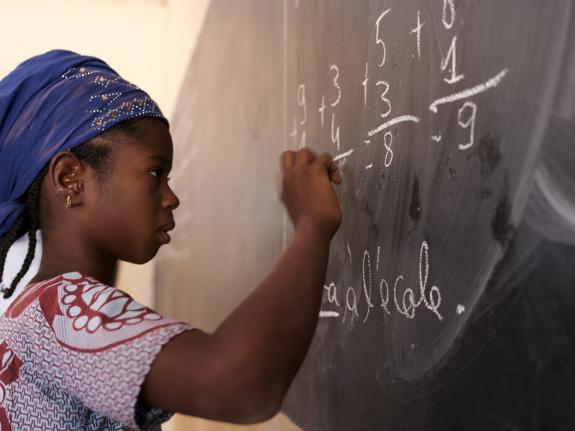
x=393, y=122
x=343, y=156
x=470, y=92
x=328, y=314
x=436, y=138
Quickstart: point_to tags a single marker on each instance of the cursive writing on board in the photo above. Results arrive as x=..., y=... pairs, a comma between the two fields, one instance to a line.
x=389, y=295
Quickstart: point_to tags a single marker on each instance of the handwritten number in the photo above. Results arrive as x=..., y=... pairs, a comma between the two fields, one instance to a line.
x=379, y=40
x=450, y=62
x=336, y=83
x=387, y=141
x=384, y=99
x=334, y=132
x=448, y=14
x=469, y=123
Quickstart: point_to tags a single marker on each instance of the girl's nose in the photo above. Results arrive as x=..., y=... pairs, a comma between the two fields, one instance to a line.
x=171, y=200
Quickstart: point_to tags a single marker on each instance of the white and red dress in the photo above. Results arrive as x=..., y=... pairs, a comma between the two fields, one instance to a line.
x=74, y=354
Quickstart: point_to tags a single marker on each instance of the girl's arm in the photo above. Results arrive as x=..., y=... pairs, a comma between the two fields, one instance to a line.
x=241, y=373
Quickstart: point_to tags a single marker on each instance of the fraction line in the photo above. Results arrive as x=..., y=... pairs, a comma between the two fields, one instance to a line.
x=393, y=122
x=470, y=92
x=343, y=156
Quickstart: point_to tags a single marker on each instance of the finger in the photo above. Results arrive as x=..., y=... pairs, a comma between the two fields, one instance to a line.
x=326, y=162
x=304, y=156
x=335, y=174
x=278, y=183
x=287, y=160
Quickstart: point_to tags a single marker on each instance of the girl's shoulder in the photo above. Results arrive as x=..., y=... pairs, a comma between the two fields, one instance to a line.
x=90, y=341
x=33, y=291
x=71, y=281
x=86, y=314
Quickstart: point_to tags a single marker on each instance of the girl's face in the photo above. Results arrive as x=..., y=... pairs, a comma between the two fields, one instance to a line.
x=129, y=213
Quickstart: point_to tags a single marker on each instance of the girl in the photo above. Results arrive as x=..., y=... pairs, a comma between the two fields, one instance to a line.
x=84, y=156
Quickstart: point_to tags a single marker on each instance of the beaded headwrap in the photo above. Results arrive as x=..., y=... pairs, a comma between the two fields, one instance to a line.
x=53, y=102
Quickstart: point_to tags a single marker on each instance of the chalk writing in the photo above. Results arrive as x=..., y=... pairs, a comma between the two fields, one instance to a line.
x=393, y=122
x=406, y=300
x=335, y=132
x=335, y=69
x=412, y=293
x=384, y=99
x=469, y=123
x=321, y=110
x=450, y=62
x=387, y=141
x=417, y=32
x=378, y=39
x=364, y=85
x=448, y=15
x=343, y=156
x=470, y=92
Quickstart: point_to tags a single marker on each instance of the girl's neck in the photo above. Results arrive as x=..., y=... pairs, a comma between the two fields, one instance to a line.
x=50, y=268
x=103, y=275
x=63, y=253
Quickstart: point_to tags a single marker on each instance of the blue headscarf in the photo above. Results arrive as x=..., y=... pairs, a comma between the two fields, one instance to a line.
x=54, y=102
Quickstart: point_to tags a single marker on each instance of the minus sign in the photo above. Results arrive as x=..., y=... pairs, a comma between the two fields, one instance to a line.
x=328, y=314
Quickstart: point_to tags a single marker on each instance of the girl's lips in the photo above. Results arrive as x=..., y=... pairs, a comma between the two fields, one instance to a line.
x=168, y=226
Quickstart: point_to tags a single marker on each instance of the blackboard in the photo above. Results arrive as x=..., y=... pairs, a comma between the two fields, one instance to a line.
x=449, y=300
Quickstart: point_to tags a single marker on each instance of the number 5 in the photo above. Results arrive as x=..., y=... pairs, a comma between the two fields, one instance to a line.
x=378, y=39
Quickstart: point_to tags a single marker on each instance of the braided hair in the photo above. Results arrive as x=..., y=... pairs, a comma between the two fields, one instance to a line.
x=97, y=153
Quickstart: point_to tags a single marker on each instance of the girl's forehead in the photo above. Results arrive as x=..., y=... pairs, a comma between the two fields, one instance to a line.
x=153, y=140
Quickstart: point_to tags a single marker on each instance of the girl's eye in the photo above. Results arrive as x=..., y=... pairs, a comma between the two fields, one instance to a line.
x=157, y=173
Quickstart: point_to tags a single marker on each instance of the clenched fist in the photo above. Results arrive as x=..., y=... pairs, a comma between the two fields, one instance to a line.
x=307, y=190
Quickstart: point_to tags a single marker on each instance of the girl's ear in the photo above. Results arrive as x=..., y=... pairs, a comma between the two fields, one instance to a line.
x=67, y=177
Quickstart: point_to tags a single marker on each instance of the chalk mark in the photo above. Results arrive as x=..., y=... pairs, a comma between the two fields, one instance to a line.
x=343, y=156
x=393, y=122
x=436, y=138
x=323, y=314
x=470, y=92
x=349, y=253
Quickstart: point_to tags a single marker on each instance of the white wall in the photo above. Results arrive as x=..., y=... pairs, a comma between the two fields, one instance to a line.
x=149, y=42
x=130, y=35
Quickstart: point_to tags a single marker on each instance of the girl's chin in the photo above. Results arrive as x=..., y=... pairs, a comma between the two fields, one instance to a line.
x=164, y=237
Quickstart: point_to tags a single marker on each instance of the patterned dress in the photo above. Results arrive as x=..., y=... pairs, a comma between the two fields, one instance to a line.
x=74, y=354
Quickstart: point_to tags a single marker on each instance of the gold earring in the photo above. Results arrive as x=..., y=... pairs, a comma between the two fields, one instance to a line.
x=68, y=203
